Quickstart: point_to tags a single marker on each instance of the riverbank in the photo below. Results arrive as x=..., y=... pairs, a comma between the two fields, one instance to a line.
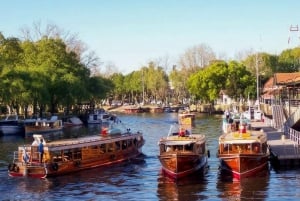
x=203, y=108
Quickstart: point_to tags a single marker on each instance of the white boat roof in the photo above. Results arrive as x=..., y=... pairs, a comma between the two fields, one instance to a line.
x=172, y=143
x=243, y=138
x=176, y=140
x=82, y=141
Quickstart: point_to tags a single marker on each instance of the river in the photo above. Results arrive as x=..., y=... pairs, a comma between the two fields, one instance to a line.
x=141, y=179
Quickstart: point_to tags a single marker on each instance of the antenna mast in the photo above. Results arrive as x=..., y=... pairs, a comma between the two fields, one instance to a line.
x=294, y=29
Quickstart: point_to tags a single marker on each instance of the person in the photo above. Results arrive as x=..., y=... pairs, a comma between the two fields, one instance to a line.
x=41, y=150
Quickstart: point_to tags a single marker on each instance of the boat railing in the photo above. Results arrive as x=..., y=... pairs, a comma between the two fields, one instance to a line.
x=294, y=136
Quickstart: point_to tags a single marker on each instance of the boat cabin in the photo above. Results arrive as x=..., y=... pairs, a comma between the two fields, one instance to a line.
x=243, y=147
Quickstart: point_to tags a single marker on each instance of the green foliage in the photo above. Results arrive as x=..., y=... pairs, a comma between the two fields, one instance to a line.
x=43, y=73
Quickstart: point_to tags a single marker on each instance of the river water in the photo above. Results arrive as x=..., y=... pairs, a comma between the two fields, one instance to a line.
x=141, y=179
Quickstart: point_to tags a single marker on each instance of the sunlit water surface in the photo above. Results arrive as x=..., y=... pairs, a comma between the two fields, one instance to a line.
x=141, y=179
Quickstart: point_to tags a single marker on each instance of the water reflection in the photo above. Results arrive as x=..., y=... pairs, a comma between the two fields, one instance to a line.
x=252, y=188
x=187, y=188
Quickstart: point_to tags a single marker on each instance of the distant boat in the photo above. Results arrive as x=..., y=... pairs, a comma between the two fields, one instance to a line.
x=182, y=153
x=133, y=109
x=243, y=153
x=71, y=155
x=38, y=126
x=186, y=118
x=73, y=121
x=11, y=126
x=100, y=116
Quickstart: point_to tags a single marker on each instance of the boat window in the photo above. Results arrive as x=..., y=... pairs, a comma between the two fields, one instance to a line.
x=129, y=143
x=256, y=147
x=124, y=144
x=118, y=145
x=102, y=148
x=110, y=147
x=188, y=147
x=77, y=153
x=67, y=154
x=57, y=156
x=178, y=148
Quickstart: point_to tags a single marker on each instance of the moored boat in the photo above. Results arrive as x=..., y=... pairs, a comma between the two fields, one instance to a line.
x=182, y=153
x=43, y=125
x=73, y=121
x=100, y=116
x=186, y=118
x=243, y=153
x=71, y=155
x=11, y=125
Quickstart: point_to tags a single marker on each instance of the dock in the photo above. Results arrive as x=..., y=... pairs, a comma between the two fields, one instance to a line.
x=284, y=153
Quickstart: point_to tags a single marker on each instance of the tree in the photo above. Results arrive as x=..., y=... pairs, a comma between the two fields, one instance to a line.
x=195, y=58
x=289, y=61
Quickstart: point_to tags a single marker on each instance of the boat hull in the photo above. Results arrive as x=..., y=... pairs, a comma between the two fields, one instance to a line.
x=72, y=155
x=11, y=130
x=42, y=129
x=243, y=165
x=179, y=165
x=56, y=169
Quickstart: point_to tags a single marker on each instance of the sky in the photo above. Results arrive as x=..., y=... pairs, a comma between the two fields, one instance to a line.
x=131, y=33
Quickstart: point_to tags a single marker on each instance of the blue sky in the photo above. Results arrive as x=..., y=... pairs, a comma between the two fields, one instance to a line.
x=130, y=33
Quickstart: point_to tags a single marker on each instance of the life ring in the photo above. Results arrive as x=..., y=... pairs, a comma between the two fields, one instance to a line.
x=55, y=166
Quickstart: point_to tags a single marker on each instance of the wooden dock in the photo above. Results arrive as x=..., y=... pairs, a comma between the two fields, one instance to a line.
x=284, y=153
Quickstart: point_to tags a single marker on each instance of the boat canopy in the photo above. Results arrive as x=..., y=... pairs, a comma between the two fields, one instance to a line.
x=173, y=143
x=242, y=141
x=37, y=139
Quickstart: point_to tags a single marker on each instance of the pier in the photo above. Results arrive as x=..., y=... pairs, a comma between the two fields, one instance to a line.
x=284, y=150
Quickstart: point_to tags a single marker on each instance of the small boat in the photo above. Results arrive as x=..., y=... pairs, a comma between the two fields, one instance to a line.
x=73, y=121
x=100, y=116
x=133, y=110
x=243, y=153
x=182, y=153
x=156, y=109
x=232, y=120
x=11, y=126
x=71, y=155
x=43, y=125
x=186, y=118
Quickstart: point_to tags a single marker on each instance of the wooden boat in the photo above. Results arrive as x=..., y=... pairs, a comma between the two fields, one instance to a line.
x=186, y=118
x=43, y=125
x=11, y=125
x=73, y=121
x=133, y=109
x=243, y=153
x=71, y=155
x=156, y=109
x=182, y=153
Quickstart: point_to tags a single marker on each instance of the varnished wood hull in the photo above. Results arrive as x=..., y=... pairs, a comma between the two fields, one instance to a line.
x=85, y=154
x=178, y=165
x=243, y=165
x=62, y=168
x=42, y=129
